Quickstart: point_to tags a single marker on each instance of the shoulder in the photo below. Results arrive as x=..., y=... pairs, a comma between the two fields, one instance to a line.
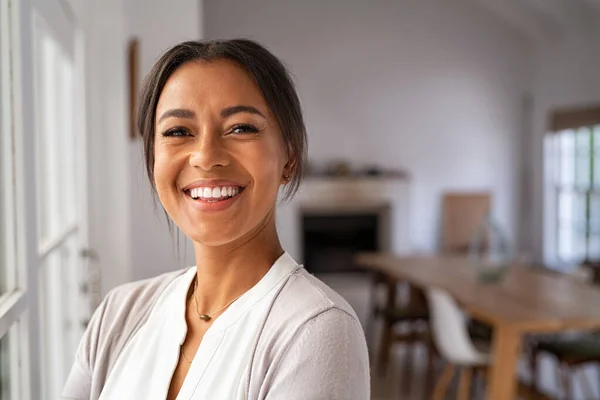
x=134, y=297
x=312, y=339
x=117, y=318
x=124, y=309
x=304, y=297
x=306, y=308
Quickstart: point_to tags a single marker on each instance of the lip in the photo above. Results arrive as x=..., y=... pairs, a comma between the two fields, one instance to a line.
x=211, y=183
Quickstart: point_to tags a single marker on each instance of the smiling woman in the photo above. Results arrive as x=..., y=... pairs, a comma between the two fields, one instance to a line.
x=223, y=132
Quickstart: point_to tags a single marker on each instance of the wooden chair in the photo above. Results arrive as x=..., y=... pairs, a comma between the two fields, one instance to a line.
x=412, y=317
x=572, y=352
x=462, y=214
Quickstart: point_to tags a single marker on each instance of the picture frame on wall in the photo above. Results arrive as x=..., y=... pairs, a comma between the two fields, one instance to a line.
x=133, y=75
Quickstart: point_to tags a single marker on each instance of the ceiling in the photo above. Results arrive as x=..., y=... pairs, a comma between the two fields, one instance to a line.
x=547, y=20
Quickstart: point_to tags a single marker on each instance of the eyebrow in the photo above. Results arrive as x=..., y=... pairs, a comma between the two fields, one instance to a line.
x=229, y=111
x=226, y=112
x=177, y=113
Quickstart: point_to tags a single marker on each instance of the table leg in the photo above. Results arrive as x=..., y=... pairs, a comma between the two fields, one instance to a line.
x=502, y=381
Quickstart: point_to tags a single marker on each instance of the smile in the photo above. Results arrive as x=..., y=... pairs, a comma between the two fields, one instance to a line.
x=214, y=194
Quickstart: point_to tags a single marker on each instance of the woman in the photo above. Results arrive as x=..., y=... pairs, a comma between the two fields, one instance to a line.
x=223, y=130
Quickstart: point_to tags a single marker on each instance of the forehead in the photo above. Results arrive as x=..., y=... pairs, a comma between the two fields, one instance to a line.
x=218, y=83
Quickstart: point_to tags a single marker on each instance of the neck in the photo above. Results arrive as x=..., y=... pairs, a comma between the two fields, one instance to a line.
x=226, y=272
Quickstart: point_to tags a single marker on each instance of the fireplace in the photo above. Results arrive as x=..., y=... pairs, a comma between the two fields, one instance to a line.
x=331, y=238
x=388, y=198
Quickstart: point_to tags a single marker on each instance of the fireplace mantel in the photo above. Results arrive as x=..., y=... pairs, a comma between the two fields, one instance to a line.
x=347, y=195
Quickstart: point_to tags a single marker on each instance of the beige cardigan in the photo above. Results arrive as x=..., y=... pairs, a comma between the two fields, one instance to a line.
x=311, y=346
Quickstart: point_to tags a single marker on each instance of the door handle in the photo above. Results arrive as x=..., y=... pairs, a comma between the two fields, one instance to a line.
x=89, y=254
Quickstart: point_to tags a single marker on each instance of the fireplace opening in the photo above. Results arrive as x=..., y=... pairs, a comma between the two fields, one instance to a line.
x=330, y=241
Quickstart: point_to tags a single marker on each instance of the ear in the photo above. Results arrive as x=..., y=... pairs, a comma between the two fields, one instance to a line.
x=288, y=170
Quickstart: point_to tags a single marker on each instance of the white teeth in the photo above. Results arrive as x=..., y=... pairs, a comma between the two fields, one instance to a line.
x=214, y=192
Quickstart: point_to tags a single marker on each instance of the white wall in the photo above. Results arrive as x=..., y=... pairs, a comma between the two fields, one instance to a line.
x=434, y=87
x=566, y=76
x=109, y=231
x=159, y=24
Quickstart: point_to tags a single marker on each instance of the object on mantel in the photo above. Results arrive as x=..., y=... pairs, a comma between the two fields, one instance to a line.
x=343, y=169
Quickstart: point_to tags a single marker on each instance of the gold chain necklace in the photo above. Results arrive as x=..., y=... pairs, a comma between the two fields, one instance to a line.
x=204, y=317
x=209, y=316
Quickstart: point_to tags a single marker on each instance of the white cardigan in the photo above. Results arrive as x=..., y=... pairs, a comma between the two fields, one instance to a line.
x=289, y=337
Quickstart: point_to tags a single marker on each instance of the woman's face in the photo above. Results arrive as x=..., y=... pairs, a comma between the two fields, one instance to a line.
x=219, y=154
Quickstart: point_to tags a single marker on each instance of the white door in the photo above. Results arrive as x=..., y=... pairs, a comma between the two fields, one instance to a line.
x=64, y=275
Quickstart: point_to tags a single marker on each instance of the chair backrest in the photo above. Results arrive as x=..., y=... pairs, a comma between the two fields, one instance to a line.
x=462, y=214
x=449, y=327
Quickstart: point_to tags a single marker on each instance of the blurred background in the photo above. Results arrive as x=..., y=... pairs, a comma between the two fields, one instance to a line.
x=423, y=116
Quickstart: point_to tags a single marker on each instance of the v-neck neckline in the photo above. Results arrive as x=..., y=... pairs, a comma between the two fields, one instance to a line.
x=213, y=337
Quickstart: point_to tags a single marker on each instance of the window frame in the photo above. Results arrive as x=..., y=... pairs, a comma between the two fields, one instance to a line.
x=18, y=305
x=554, y=187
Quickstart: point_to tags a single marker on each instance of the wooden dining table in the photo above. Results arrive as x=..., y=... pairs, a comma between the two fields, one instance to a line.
x=526, y=301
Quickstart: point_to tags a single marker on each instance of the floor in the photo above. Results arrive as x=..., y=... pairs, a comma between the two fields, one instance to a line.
x=355, y=289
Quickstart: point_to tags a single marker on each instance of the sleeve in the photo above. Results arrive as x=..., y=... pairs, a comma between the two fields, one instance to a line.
x=326, y=360
x=79, y=382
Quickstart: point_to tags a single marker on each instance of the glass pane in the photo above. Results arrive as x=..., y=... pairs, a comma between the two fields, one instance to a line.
x=3, y=219
x=52, y=313
x=61, y=316
x=56, y=141
x=567, y=159
x=46, y=142
x=571, y=209
x=594, y=247
x=5, y=159
x=9, y=365
x=69, y=170
x=5, y=367
x=582, y=158
x=597, y=157
x=572, y=225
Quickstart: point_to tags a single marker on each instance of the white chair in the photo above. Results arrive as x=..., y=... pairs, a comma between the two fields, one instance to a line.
x=451, y=337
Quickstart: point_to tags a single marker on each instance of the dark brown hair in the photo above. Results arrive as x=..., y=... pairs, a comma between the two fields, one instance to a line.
x=270, y=75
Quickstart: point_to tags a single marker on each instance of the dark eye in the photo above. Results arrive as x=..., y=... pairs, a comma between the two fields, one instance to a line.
x=176, y=132
x=244, y=128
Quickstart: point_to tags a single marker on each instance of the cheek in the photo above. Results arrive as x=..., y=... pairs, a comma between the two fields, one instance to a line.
x=267, y=166
x=165, y=173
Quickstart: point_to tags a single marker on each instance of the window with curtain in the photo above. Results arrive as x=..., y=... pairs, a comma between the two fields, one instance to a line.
x=573, y=159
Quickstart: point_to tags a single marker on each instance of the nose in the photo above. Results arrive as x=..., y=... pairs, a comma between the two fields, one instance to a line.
x=209, y=151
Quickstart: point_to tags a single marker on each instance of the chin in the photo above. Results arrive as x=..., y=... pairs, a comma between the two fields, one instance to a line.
x=212, y=237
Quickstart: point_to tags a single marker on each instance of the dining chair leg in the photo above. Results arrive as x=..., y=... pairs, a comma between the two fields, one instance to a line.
x=587, y=385
x=533, y=366
x=431, y=355
x=480, y=381
x=464, y=383
x=439, y=392
x=405, y=382
x=565, y=373
x=374, y=313
x=385, y=347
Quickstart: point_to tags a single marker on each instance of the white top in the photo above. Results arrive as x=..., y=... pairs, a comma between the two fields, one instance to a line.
x=289, y=337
